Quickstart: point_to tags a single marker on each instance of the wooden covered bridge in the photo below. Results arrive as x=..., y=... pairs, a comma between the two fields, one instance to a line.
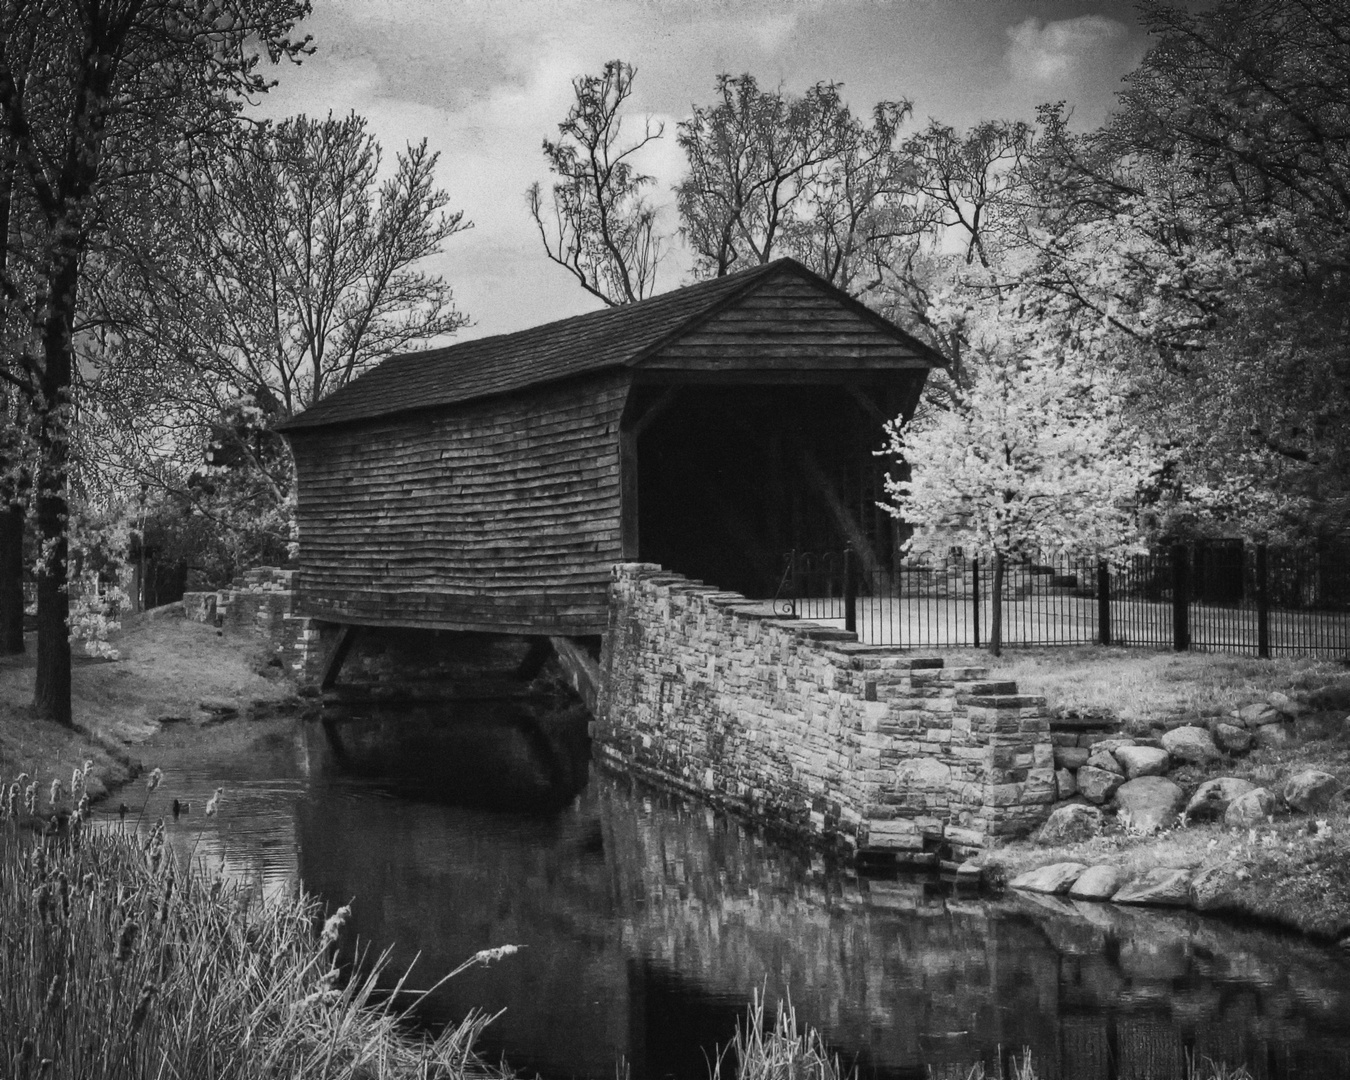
x=491, y=485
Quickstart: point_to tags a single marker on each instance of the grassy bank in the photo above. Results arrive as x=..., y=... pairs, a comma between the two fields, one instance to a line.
x=167, y=667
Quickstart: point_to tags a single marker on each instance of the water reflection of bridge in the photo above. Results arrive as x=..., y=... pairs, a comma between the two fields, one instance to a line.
x=648, y=924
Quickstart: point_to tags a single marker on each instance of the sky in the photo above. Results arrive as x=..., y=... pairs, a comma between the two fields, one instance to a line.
x=485, y=82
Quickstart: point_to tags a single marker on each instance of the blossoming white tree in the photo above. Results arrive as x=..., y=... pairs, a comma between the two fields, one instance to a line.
x=1034, y=458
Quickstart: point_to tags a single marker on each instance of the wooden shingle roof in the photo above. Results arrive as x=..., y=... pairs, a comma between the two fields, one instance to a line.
x=610, y=338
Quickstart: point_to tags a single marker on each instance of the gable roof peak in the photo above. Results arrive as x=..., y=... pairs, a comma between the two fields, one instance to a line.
x=611, y=337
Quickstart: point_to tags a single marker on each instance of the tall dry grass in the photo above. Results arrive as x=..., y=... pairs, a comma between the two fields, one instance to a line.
x=117, y=962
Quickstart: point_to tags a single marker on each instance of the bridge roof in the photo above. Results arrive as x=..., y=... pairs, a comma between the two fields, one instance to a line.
x=600, y=340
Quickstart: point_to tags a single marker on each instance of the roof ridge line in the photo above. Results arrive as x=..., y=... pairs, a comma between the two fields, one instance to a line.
x=754, y=277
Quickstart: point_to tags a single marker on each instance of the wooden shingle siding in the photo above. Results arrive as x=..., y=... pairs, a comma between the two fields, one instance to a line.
x=787, y=323
x=500, y=515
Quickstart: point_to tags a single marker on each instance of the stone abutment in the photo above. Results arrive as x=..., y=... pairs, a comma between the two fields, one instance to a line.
x=796, y=725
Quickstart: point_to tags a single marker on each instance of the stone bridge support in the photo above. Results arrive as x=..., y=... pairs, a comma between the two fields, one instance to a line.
x=798, y=726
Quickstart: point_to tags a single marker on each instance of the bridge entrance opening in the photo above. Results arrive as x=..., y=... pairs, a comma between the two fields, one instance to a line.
x=731, y=477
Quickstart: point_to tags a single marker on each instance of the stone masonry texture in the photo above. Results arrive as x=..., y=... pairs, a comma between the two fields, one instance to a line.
x=798, y=726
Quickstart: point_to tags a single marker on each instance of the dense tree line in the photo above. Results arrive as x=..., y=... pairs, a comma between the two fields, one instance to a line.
x=1145, y=324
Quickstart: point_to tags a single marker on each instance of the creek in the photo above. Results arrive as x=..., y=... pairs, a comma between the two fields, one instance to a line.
x=646, y=922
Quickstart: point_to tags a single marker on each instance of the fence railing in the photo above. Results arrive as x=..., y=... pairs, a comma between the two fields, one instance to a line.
x=1222, y=597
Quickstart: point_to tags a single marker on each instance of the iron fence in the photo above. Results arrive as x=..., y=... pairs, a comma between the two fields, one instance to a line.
x=1228, y=596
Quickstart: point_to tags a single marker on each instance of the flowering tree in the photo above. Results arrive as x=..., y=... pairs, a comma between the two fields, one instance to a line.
x=1034, y=457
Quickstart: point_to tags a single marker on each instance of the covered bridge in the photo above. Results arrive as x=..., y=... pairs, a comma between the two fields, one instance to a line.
x=492, y=484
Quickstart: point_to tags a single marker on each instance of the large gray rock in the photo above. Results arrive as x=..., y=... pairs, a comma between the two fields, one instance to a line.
x=1147, y=804
x=1273, y=736
x=1258, y=713
x=1157, y=886
x=1143, y=761
x=1286, y=704
x=1097, y=785
x=1071, y=757
x=1066, y=784
x=1190, y=743
x=1250, y=808
x=1067, y=824
x=1212, y=797
x=1104, y=759
x=1212, y=888
x=1097, y=883
x=1232, y=739
x=1311, y=791
x=1055, y=878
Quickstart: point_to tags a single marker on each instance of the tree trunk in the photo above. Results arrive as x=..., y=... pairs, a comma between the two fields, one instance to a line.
x=51, y=694
x=11, y=578
x=996, y=608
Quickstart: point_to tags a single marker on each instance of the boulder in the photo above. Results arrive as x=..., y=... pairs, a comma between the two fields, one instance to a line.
x=1071, y=757
x=1143, y=761
x=1211, y=798
x=1067, y=824
x=1286, y=704
x=1258, y=713
x=1211, y=888
x=1270, y=736
x=1055, y=878
x=218, y=708
x=1104, y=759
x=1157, y=886
x=1232, y=739
x=1190, y=743
x=1097, y=883
x=1310, y=791
x=1066, y=784
x=1333, y=696
x=1250, y=808
x=1149, y=803
x=1097, y=785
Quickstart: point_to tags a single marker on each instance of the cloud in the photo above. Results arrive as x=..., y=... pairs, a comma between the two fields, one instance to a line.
x=1051, y=52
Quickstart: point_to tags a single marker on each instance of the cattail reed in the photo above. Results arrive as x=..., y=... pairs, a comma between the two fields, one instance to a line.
x=143, y=1006
x=55, y=794
x=126, y=942
x=30, y=798
x=213, y=803
x=333, y=926
x=154, y=781
x=56, y=994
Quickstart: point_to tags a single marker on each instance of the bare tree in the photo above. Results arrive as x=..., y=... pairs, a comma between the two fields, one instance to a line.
x=599, y=225
x=771, y=174
x=291, y=269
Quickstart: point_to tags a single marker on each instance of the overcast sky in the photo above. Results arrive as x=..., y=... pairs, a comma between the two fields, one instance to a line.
x=485, y=82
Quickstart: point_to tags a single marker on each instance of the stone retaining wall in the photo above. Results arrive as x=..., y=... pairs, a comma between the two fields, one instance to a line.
x=797, y=725
x=264, y=602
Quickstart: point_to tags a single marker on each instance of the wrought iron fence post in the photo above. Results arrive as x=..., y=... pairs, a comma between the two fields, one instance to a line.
x=1262, y=603
x=1103, y=603
x=1181, y=600
x=850, y=590
x=975, y=598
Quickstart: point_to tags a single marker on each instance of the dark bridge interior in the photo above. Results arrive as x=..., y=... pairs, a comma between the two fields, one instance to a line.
x=730, y=477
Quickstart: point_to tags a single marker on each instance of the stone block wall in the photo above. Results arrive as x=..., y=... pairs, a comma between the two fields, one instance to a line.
x=797, y=725
x=264, y=602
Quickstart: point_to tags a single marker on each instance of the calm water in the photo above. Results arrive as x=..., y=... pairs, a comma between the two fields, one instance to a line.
x=646, y=923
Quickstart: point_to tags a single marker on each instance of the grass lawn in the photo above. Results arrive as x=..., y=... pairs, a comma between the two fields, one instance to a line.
x=167, y=666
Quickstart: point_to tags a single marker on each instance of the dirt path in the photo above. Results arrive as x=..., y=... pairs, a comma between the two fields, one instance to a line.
x=167, y=669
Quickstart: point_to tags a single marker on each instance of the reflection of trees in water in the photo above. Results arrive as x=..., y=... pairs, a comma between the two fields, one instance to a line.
x=634, y=908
